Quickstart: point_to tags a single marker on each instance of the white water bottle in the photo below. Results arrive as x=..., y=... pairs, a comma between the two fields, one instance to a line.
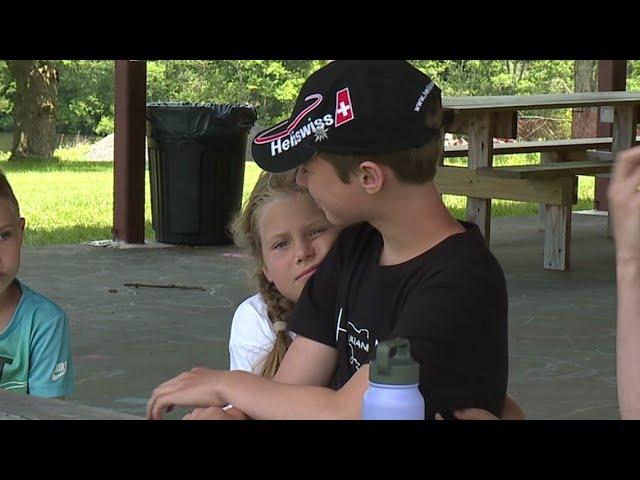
x=393, y=385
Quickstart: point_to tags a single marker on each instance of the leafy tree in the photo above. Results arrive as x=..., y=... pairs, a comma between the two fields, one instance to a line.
x=34, y=108
x=86, y=96
x=86, y=88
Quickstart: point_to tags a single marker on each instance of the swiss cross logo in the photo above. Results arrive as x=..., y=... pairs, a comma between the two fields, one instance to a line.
x=344, y=109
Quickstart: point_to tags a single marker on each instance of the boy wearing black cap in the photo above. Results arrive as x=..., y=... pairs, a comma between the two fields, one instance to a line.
x=366, y=137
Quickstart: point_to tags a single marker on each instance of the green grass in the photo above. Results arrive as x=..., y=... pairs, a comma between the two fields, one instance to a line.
x=70, y=200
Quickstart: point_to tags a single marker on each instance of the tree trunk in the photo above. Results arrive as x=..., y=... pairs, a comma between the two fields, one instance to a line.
x=584, y=123
x=34, y=108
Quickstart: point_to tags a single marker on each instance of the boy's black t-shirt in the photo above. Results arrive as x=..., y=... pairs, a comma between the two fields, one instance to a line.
x=450, y=302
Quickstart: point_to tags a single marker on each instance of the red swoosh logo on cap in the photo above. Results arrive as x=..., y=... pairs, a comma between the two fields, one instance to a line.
x=266, y=138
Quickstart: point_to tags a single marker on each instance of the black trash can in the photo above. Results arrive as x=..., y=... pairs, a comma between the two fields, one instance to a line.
x=196, y=168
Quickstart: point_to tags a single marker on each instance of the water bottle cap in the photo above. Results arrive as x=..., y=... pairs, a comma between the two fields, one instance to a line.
x=400, y=369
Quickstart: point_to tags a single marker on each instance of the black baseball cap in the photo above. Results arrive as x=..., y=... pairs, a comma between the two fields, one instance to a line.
x=352, y=107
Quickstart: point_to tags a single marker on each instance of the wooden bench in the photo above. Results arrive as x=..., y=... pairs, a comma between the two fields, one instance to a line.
x=552, y=183
x=551, y=170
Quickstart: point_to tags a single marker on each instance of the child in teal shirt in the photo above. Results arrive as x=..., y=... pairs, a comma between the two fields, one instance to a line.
x=35, y=354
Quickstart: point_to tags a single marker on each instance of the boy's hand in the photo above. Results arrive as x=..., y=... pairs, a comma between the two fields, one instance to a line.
x=624, y=201
x=471, y=414
x=195, y=388
x=510, y=411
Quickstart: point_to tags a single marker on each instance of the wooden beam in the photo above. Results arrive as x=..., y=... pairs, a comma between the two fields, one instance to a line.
x=464, y=181
x=587, y=167
x=129, y=167
x=591, y=155
x=505, y=124
x=497, y=103
x=578, y=145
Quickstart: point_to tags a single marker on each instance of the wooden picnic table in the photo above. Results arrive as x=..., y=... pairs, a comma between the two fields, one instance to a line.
x=484, y=118
x=14, y=406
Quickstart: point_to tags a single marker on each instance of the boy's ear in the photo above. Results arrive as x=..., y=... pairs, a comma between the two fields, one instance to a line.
x=371, y=176
x=22, y=224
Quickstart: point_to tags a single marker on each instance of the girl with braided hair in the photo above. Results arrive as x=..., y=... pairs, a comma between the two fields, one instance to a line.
x=287, y=236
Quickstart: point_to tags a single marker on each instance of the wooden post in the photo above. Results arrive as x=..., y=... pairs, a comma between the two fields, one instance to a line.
x=624, y=136
x=557, y=237
x=128, y=165
x=480, y=155
x=612, y=76
x=545, y=158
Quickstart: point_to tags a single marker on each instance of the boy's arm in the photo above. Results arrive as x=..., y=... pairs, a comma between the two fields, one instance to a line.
x=261, y=398
x=292, y=371
x=316, y=368
x=307, y=362
x=295, y=402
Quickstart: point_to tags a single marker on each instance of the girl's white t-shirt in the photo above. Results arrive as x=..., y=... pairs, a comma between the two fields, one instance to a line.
x=252, y=336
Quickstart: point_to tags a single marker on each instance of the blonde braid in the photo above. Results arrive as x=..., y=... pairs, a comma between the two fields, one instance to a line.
x=278, y=309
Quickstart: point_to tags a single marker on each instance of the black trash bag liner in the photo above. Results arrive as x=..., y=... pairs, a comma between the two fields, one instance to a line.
x=179, y=122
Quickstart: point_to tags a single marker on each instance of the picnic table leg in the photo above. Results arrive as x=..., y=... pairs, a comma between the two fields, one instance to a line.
x=546, y=158
x=624, y=136
x=557, y=236
x=480, y=155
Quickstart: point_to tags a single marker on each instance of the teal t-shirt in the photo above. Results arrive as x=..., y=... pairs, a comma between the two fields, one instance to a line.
x=35, y=352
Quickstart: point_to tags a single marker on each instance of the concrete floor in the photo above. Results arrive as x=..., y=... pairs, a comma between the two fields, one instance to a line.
x=128, y=340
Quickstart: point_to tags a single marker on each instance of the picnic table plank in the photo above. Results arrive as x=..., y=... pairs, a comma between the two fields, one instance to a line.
x=496, y=103
x=15, y=406
x=561, y=145
x=549, y=169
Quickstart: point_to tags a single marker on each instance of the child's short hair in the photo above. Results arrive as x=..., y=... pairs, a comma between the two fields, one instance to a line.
x=415, y=165
x=6, y=192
